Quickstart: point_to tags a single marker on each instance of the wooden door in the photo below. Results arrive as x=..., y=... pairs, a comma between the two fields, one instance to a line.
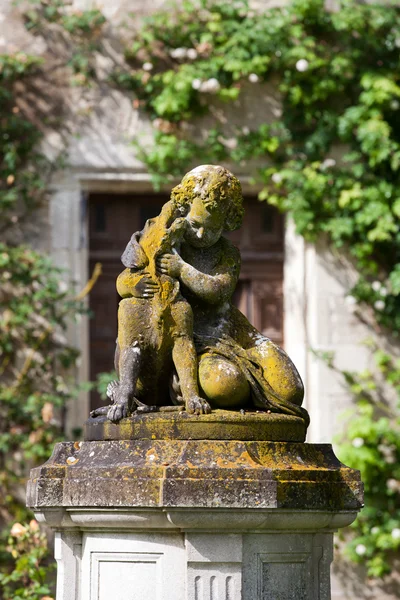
x=113, y=219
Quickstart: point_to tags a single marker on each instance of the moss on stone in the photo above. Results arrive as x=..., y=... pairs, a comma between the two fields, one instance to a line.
x=219, y=425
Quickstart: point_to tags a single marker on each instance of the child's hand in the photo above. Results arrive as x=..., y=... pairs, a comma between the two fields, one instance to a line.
x=136, y=285
x=145, y=288
x=170, y=264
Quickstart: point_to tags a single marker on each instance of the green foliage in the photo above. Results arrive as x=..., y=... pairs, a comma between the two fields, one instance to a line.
x=102, y=381
x=36, y=362
x=339, y=82
x=372, y=445
x=28, y=548
x=83, y=29
x=21, y=185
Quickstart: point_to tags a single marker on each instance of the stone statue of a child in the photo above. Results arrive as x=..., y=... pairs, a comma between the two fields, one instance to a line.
x=154, y=327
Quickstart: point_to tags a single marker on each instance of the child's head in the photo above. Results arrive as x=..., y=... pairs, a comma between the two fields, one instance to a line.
x=214, y=188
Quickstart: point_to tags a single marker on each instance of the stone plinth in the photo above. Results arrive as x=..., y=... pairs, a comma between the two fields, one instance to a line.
x=173, y=519
x=219, y=425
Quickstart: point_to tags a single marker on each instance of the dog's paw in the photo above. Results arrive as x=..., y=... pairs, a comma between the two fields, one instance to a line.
x=117, y=411
x=112, y=390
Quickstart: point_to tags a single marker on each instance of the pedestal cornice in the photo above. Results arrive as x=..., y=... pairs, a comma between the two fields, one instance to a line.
x=195, y=474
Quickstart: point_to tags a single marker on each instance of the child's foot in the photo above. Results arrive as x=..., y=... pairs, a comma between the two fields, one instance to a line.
x=198, y=406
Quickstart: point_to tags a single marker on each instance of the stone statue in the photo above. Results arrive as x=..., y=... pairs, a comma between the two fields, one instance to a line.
x=181, y=344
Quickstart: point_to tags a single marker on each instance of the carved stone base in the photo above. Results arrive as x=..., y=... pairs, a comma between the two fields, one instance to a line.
x=194, y=519
x=219, y=425
x=193, y=554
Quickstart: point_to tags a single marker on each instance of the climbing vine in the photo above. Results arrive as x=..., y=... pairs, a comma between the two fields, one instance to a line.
x=332, y=156
x=36, y=362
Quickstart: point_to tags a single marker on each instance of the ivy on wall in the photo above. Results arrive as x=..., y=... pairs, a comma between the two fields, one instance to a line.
x=331, y=158
x=337, y=74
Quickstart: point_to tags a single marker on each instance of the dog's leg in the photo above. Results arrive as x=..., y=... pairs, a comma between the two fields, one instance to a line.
x=129, y=368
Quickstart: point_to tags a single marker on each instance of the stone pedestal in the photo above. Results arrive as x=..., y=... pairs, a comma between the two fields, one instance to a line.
x=176, y=519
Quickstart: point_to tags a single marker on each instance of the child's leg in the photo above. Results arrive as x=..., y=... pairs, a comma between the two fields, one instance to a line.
x=185, y=358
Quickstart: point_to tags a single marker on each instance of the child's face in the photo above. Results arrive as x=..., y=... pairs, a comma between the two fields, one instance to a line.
x=205, y=223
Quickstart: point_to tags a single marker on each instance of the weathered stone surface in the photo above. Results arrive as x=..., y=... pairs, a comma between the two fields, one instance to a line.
x=180, y=340
x=195, y=474
x=219, y=425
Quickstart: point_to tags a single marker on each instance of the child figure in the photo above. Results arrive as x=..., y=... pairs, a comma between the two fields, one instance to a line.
x=155, y=325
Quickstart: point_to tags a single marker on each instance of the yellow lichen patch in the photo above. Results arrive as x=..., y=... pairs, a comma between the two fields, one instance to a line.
x=219, y=425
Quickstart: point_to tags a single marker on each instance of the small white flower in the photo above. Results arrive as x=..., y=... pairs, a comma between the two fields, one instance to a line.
x=383, y=291
x=196, y=84
x=379, y=305
x=358, y=442
x=361, y=549
x=396, y=533
x=62, y=287
x=350, y=300
x=302, y=65
x=328, y=162
x=253, y=78
x=17, y=530
x=191, y=54
x=211, y=86
x=245, y=130
x=375, y=530
x=276, y=178
x=395, y=105
x=147, y=66
x=230, y=143
x=376, y=286
x=388, y=452
x=178, y=53
x=278, y=53
x=393, y=485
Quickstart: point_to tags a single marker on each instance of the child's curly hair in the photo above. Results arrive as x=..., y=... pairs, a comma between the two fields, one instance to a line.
x=216, y=185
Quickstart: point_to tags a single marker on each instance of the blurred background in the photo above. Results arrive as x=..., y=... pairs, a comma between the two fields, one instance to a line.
x=103, y=108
